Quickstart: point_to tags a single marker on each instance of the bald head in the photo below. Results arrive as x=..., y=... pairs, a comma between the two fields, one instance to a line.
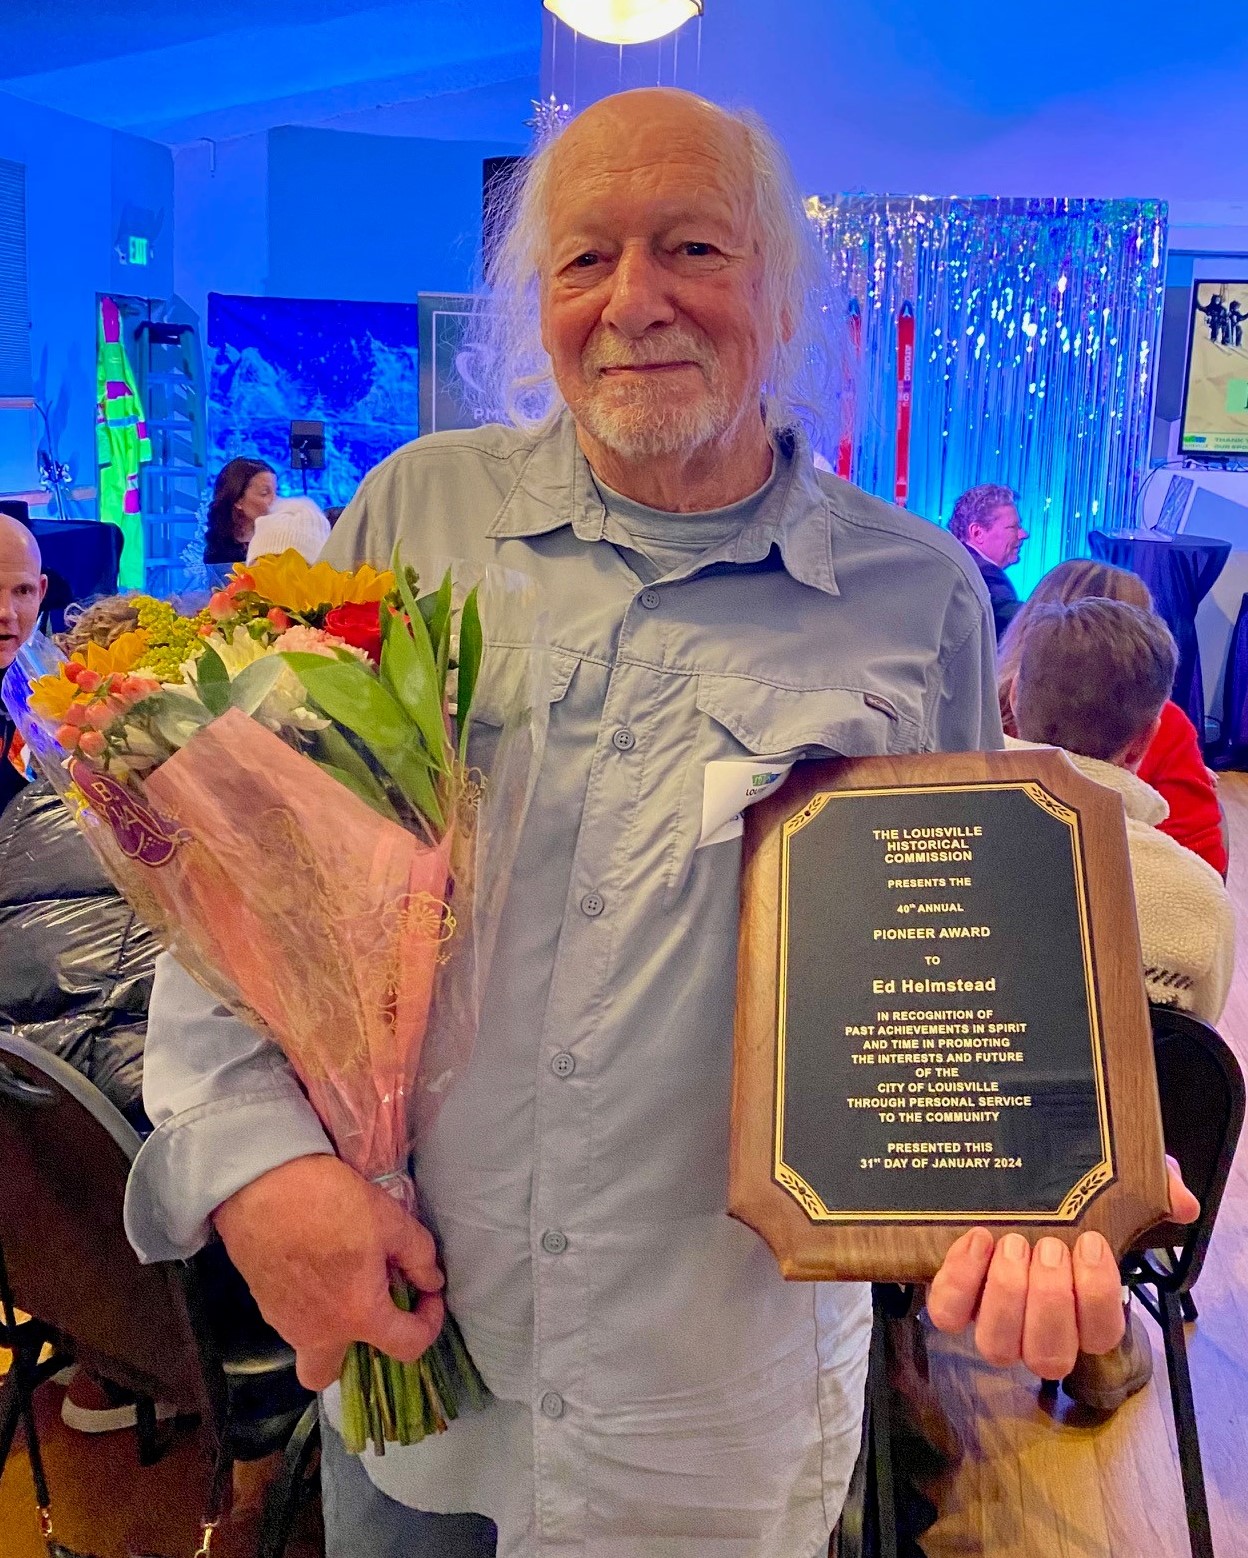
x=649, y=126
x=22, y=587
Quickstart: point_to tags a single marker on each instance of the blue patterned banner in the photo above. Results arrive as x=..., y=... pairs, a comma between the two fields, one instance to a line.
x=352, y=366
x=1035, y=327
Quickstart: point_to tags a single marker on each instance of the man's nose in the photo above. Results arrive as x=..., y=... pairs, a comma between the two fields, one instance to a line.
x=639, y=297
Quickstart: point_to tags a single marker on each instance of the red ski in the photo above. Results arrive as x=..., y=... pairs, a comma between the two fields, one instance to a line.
x=905, y=387
x=845, y=449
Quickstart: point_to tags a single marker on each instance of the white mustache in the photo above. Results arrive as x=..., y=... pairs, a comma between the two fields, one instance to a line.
x=681, y=346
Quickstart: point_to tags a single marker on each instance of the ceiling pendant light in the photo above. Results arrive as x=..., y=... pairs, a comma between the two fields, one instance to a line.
x=625, y=21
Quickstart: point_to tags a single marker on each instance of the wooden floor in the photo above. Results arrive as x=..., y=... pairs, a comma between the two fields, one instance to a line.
x=1040, y=1479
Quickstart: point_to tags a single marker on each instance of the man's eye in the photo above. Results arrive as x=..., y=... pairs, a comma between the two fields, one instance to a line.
x=584, y=261
x=697, y=251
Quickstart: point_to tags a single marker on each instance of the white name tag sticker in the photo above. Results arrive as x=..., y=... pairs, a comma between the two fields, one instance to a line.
x=732, y=784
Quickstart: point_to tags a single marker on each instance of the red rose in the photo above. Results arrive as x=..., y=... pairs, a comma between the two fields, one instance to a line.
x=358, y=623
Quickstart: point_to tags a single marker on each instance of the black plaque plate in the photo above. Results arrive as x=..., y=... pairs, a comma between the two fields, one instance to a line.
x=939, y=1048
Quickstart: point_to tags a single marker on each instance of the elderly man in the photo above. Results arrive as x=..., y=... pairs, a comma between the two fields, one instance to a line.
x=985, y=519
x=22, y=588
x=658, y=1388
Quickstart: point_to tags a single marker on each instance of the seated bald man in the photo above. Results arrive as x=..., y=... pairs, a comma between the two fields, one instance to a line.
x=23, y=585
x=659, y=1391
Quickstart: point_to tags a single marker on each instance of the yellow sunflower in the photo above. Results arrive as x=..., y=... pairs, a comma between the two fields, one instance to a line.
x=293, y=583
x=51, y=695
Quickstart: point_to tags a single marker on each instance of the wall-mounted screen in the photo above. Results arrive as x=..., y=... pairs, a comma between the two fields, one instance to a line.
x=1215, y=402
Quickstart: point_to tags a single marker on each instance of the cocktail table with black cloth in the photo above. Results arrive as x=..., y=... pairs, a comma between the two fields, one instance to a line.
x=1179, y=571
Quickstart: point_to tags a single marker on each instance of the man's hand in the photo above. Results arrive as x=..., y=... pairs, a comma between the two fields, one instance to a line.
x=316, y=1243
x=1042, y=1306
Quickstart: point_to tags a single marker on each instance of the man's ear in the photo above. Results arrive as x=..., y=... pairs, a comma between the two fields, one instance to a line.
x=1132, y=755
x=541, y=313
x=787, y=324
x=43, y=587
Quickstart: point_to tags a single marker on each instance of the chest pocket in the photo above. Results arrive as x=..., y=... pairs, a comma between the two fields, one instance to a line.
x=514, y=681
x=743, y=718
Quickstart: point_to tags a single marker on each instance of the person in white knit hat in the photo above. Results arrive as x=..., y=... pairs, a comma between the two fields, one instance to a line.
x=1092, y=678
x=291, y=522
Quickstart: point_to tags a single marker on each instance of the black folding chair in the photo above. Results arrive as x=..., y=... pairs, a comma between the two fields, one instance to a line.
x=1201, y=1088
x=185, y=1333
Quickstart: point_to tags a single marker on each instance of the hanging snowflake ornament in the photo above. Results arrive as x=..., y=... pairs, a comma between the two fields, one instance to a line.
x=549, y=117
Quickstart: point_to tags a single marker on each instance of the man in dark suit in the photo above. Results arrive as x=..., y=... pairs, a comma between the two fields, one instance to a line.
x=985, y=520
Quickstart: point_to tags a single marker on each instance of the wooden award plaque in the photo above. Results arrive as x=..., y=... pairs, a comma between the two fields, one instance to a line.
x=941, y=1016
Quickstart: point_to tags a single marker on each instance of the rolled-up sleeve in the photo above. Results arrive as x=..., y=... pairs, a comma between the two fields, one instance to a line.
x=226, y=1106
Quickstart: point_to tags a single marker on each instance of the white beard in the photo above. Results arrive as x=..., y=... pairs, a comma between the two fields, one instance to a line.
x=650, y=422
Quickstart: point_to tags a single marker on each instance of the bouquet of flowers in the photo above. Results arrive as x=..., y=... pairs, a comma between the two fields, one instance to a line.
x=281, y=786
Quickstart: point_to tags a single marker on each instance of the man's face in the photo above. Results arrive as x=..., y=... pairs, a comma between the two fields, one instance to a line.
x=1001, y=537
x=22, y=589
x=651, y=295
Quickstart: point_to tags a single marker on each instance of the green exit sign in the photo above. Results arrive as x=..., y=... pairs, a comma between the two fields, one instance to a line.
x=138, y=251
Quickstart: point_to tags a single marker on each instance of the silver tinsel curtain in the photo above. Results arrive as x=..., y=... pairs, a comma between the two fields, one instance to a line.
x=1035, y=336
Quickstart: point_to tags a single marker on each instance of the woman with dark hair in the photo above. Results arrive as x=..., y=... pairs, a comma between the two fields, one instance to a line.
x=245, y=489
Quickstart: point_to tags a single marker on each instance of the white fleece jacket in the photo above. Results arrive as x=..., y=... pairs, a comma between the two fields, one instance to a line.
x=1187, y=925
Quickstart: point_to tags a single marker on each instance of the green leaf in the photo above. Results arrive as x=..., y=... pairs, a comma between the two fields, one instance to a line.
x=255, y=682
x=350, y=694
x=176, y=717
x=440, y=630
x=413, y=677
x=336, y=755
x=471, y=650
x=212, y=681
x=374, y=797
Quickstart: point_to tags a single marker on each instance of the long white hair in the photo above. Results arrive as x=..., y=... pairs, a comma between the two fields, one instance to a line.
x=506, y=368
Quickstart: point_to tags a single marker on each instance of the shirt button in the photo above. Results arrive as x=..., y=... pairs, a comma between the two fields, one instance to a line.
x=554, y=1242
x=592, y=905
x=623, y=741
x=552, y=1405
x=649, y=599
x=563, y=1064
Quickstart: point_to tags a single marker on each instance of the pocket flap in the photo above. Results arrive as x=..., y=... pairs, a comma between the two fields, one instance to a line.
x=510, y=679
x=793, y=722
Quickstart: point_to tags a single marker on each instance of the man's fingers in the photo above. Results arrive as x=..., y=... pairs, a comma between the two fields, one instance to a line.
x=999, y=1328
x=319, y=1366
x=1050, y=1332
x=1098, y=1294
x=1184, y=1207
x=406, y=1336
x=953, y=1296
x=412, y=1249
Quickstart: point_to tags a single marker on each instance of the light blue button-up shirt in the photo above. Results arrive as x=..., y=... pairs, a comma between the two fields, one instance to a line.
x=660, y=1389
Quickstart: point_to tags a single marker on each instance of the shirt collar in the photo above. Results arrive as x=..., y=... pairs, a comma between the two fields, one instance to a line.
x=555, y=488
